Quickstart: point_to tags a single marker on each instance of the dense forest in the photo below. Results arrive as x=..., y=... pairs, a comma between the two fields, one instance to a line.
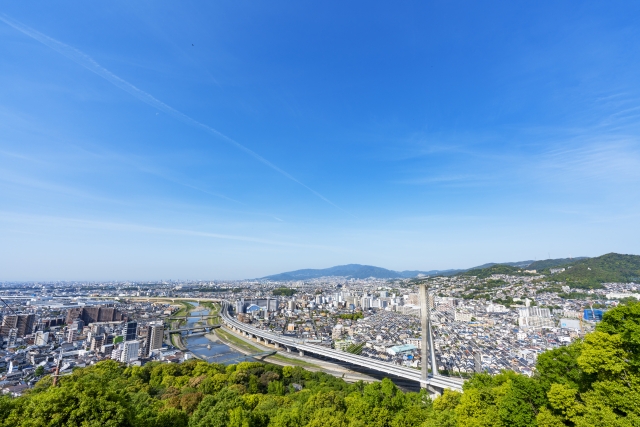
x=592, y=382
x=483, y=273
x=579, y=273
x=590, y=273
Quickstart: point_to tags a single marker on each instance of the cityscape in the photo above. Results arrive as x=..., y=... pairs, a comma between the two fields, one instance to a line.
x=53, y=328
x=320, y=214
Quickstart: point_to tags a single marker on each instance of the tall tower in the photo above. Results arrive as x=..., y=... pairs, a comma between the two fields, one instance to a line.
x=131, y=331
x=428, y=350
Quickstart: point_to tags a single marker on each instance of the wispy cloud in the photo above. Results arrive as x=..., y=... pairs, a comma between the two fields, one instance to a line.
x=89, y=63
x=53, y=221
x=613, y=160
x=50, y=187
x=14, y=178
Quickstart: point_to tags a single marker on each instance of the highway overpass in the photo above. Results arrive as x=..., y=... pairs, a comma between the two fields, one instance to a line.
x=436, y=383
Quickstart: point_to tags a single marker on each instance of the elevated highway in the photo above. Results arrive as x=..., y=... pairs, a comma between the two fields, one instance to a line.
x=435, y=382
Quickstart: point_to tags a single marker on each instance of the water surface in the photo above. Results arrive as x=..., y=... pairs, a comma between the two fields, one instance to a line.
x=204, y=348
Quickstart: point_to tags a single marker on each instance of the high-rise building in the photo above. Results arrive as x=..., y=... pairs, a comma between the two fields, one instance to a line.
x=73, y=314
x=24, y=323
x=130, y=351
x=8, y=322
x=131, y=331
x=153, y=340
x=107, y=314
x=94, y=314
x=90, y=314
x=240, y=306
x=97, y=342
x=366, y=302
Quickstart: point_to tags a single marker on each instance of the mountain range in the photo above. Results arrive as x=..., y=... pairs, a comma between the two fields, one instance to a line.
x=359, y=271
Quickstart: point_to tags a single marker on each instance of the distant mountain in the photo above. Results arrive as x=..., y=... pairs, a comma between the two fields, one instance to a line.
x=359, y=271
x=408, y=274
x=590, y=273
x=356, y=271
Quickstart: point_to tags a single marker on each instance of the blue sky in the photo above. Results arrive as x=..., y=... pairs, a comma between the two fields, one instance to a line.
x=202, y=140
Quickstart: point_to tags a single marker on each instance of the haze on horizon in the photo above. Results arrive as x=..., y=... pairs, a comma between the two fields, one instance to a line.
x=237, y=140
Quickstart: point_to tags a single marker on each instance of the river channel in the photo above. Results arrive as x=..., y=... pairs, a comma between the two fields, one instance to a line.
x=206, y=349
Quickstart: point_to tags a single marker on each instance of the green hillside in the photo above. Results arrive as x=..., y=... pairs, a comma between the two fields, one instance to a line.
x=594, y=382
x=590, y=273
x=551, y=263
x=483, y=273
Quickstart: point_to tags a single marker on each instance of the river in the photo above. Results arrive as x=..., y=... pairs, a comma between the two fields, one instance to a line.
x=206, y=349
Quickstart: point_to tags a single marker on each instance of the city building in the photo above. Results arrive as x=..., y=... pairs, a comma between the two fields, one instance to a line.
x=130, y=351
x=153, y=340
x=131, y=332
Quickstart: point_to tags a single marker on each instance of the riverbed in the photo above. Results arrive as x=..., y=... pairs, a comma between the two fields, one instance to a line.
x=206, y=347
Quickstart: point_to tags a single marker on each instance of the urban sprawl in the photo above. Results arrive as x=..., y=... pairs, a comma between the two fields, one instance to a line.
x=480, y=324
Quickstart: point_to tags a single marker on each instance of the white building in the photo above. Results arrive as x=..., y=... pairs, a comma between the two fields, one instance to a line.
x=496, y=308
x=570, y=324
x=462, y=316
x=620, y=295
x=337, y=331
x=366, y=302
x=536, y=322
x=130, y=351
x=534, y=311
x=42, y=338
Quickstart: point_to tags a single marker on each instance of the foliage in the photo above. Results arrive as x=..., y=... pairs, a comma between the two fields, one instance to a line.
x=590, y=273
x=284, y=292
x=551, y=263
x=483, y=273
x=355, y=348
x=185, y=310
x=352, y=316
x=592, y=382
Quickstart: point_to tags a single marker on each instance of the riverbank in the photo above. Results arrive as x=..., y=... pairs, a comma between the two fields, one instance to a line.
x=246, y=346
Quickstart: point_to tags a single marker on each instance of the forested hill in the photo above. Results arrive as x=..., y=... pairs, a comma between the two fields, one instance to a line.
x=493, y=269
x=595, y=382
x=359, y=271
x=551, y=263
x=584, y=273
x=592, y=272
